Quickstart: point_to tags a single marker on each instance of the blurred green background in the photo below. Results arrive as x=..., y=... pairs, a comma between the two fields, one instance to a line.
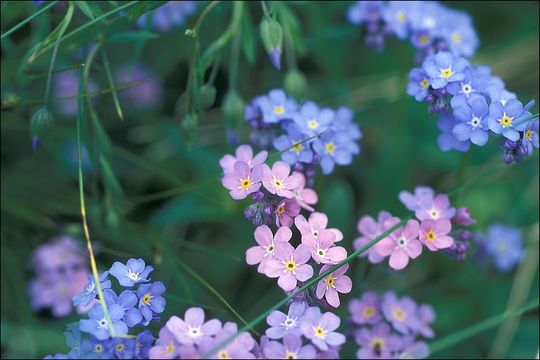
x=198, y=223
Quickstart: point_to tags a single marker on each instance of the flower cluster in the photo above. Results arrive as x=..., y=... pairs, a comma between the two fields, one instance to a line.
x=474, y=105
x=139, y=303
x=61, y=273
x=432, y=229
x=388, y=327
x=306, y=135
x=430, y=26
x=501, y=245
x=168, y=16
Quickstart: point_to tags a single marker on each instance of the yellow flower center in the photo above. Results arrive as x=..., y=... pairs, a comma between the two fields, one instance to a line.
x=281, y=209
x=423, y=39
x=424, y=83
x=246, y=184
x=330, y=148
x=431, y=236
x=446, y=73
x=506, y=120
x=456, y=37
x=290, y=355
x=120, y=347
x=170, y=348
x=330, y=281
x=223, y=355
x=278, y=110
x=313, y=124
x=297, y=148
x=369, y=311
x=401, y=16
x=529, y=134
x=146, y=298
x=399, y=314
x=98, y=348
x=319, y=332
x=290, y=266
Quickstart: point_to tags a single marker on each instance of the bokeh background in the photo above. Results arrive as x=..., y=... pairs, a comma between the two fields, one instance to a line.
x=193, y=218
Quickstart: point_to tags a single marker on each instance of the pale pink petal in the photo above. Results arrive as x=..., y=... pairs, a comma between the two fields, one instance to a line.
x=341, y=270
x=281, y=169
x=292, y=208
x=267, y=179
x=257, y=173
x=194, y=316
x=321, y=288
x=367, y=226
x=302, y=254
x=285, y=193
x=302, y=182
x=332, y=297
x=292, y=181
x=302, y=225
x=285, y=220
x=337, y=233
x=283, y=234
x=287, y=281
x=443, y=242
x=336, y=254
x=343, y=284
x=441, y=201
x=304, y=272
x=442, y=227
x=273, y=268
x=227, y=163
x=283, y=251
x=254, y=255
x=241, y=169
x=259, y=158
x=326, y=238
x=386, y=246
x=318, y=220
x=230, y=181
x=238, y=194
x=263, y=235
x=398, y=260
x=309, y=240
x=411, y=229
x=414, y=248
x=244, y=153
x=309, y=196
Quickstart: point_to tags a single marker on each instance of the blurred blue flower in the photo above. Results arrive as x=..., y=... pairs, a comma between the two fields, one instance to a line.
x=143, y=342
x=298, y=153
x=446, y=140
x=504, y=244
x=168, y=16
x=276, y=106
x=311, y=120
x=333, y=148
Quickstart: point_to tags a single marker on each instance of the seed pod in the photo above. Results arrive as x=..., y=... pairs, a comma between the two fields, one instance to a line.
x=207, y=96
x=40, y=123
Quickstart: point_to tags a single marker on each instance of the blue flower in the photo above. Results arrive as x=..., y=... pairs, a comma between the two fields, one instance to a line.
x=444, y=68
x=298, y=153
x=333, y=148
x=473, y=125
x=127, y=300
x=459, y=34
x=397, y=15
x=89, y=293
x=507, y=119
x=276, y=106
x=96, y=349
x=365, y=11
x=344, y=121
x=311, y=120
x=474, y=82
x=418, y=85
x=73, y=340
x=169, y=15
x=530, y=135
x=446, y=140
x=143, y=343
x=150, y=300
x=98, y=325
x=503, y=243
x=123, y=348
x=132, y=273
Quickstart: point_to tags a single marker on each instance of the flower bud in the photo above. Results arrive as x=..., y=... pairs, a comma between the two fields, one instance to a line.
x=207, y=96
x=272, y=37
x=295, y=84
x=40, y=123
x=233, y=113
x=189, y=124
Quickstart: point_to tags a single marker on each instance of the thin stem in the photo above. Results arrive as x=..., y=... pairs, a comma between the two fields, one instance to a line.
x=235, y=60
x=28, y=19
x=111, y=83
x=193, y=32
x=45, y=73
x=265, y=9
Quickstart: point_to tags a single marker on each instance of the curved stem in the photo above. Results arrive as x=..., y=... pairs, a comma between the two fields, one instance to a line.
x=193, y=32
x=28, y=19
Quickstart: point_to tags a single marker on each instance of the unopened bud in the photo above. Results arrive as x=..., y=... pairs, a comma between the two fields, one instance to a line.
x=207, y=96
x=272, y=37
x=295, y=84
x=40, y=123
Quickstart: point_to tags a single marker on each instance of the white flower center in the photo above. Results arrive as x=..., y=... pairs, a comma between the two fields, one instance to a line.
x=194, y=332
x=401, y=242
x=103, y=323
x=133, y=276
x=466, y=89
x=289, y=323
x=475, y=122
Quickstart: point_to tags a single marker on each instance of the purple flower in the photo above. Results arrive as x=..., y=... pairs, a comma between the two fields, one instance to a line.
x=333, y=148
x=150, y=300
x=89, y=293
x=401, y=313
x=276, y=106
x=243, y=153
x=322, y=248
x=446, y=140
x=434, y=234
x=370, y=229
x=366, y=310
x=312, y=228
x=123, y=348
x=132, y=273
x=281, y=324
x=311, y=120
x=418, y=85
x=166, y=346
x=377, y=342
x=530, y=135
x=146, y=91
x=127, y=300
x=414, y=201
x=401, y=244
x=444, y=68
x=278, y=181
x=298, y=149
x=169, y=15
x=97, y=324
x=240, y=348
x=507, y=119
x=143, y=343
x=286, y=211
x=290, y=349
x=504, y=244
x=426, y=315
x=411, y=349
x=266, y=241
x=61, y=252
x=289, y=265
x=463, y=217
x=192, y=329
x=365, y=11
x=436, y=208
x=319, y=328
x=305, y=197
x=66, y=84
x=243, y=181
x=336, y=282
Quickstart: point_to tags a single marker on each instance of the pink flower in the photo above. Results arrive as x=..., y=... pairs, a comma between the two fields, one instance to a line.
x=244, y=153
x=289, y=265
x=434, y=234
x=333, y=284
x=264, y=252
x=370, y=229
x=322, y=248
x=242, y=181
x=316, y=223
x=463, y=217
x=435, y=208
x=277, y=181
x=286, y=211
x=401, y=245
x=305, y=197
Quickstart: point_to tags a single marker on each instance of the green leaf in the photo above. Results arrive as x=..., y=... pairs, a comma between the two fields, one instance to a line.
x=141, y=8
x=249, y=44
x=338, y=192
x=291, y=25
x=130, y=36
x=85, y=8
x=187, y=208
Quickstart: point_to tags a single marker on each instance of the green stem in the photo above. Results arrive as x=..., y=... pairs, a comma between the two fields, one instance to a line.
x=28, y=19
x=477, y=328
x=194, y=32
x=108, y=72
x=67, y=68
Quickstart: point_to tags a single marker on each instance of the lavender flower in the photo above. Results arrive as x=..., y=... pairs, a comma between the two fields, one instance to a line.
x=401, y=313
x=132, y=273
x=168, y=16
x=281, y=324
x=289, y=265
x=145, y=90
x=366, y=310
x=290, y=349
x=192, y=329
x=377, y=343
x=335, y=283
x=320, y=328
x=166, y=346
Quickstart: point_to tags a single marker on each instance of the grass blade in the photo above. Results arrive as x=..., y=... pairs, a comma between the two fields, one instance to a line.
x=28, y=19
